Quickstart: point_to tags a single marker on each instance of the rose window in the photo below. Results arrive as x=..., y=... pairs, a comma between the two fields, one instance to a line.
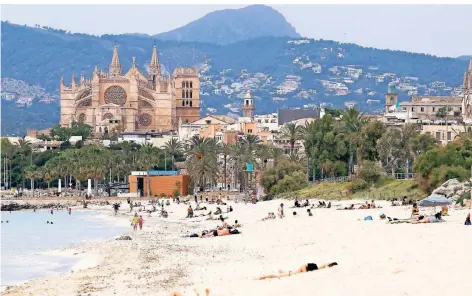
x=115, y=95
x=144, y=119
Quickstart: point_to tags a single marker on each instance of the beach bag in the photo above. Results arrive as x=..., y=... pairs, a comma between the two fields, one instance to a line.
x=368, y=218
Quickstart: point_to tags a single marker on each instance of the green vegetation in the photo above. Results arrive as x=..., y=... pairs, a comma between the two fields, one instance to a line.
x=340, y=190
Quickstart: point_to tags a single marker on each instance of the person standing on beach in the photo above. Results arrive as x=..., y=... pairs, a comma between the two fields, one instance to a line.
x=70, y=211
x=141, y=220
x=52, y=212
x=135, y=222
x=196, y=198
x=281, y=211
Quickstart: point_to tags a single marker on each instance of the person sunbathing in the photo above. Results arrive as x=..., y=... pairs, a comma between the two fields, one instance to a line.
x=351, y=207
x=329, y=205
x=218, y=211
x=175, y=293
x=428, y=219
x=198, y=208
x=221, y=232
x=306, y=203
x=415, y=212
x=304, y=268
x=269, y=217
x=237, y=225
x=372, y=205
x=444, y=210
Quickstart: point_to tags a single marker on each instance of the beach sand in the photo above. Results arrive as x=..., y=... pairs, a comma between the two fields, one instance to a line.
x=374, y=257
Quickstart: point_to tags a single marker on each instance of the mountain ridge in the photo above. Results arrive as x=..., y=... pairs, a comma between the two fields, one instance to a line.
x=279, y=71
x=232, y=25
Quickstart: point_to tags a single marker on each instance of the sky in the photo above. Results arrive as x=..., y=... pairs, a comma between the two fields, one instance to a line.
x=442, y=30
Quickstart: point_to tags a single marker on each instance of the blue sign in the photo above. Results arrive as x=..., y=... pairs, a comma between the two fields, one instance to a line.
x=163, y=173
x=249, y=167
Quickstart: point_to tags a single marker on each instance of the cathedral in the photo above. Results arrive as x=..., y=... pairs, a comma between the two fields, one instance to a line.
x=132, y=102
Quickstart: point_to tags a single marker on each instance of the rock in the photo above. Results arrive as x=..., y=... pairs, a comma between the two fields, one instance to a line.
x=448, y=192
x=124, y=237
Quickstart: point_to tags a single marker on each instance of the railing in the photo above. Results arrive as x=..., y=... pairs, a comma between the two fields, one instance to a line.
x=333, y=179
x=403, y=176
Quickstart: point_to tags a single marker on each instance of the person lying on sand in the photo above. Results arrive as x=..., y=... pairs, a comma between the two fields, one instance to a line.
x=229, y=209
x=218, y=211
x=304, y=268
x=270, y=216
x=428, y=219
x=467, y=220
x=175, y=293
x=198, y=208
x=351, y=207
x=221, y=232
x=237, y=225
x=306, y=203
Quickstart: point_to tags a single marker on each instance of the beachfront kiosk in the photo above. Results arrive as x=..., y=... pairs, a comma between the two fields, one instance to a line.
x=162, y=183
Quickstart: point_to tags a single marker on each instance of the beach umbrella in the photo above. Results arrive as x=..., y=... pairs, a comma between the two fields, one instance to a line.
x=434, y=200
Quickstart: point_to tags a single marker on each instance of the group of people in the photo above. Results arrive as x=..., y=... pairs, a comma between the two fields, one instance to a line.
x=137, y=221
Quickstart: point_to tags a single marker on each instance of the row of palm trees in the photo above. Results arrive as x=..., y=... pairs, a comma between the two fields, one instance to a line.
x=206, y=161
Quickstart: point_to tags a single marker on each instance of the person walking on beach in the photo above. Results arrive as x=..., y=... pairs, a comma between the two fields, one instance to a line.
x=52, y=212
x=281, y=211
x=135, y=222
x=141, y=220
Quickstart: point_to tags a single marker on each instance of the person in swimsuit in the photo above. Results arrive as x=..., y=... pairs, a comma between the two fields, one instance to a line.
x=304, y=268
x=415, y=212
x=281, y=211
x=135, y=222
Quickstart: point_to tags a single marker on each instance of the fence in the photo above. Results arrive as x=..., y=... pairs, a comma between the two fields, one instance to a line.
x=397, y=176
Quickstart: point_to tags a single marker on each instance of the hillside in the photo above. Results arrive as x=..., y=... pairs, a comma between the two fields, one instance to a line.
x=233, y=25
x=280, y=71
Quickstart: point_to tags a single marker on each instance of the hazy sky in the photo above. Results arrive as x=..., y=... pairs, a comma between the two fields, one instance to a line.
x=443, y=30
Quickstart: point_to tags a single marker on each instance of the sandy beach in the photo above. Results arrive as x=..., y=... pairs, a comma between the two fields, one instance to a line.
x=374, y=257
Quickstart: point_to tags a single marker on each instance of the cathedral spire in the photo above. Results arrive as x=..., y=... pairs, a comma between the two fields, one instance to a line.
x=73, y=81
x=115, y=66
x=154, y=67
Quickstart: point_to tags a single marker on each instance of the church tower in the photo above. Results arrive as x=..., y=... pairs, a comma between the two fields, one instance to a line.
x=115, y=65
x=248, y=106
x=391, y=97
x=154, y=67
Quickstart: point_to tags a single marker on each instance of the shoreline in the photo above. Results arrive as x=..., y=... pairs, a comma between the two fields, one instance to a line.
x=83, y=260
x=158, y=260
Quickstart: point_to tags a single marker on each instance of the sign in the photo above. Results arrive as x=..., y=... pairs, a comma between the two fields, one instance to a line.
x=155, y=173
x=249, y=167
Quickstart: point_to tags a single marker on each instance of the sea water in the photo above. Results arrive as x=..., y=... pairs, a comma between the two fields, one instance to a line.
x=27, y=237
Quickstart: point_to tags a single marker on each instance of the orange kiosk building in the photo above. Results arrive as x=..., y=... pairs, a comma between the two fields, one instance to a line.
x=161, y=182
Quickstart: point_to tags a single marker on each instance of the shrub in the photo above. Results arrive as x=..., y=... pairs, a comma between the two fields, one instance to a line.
x=370, y=172
x=357, y=185
x=163, y=195
x=290, y=183
x=444, y=173
x=464, y=197
x=176, y=192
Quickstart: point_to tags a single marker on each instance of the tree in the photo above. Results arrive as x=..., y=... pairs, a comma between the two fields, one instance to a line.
x=202, y=161
x=293, y=133
x=286, y=176
x=225, y=151
x=352, y=120
x=422, y=143
x=443, y=111
x=174, y=148
x=147, y=159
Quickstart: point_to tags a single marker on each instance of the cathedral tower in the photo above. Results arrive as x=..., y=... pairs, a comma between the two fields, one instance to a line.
x=115, y=65
x=467, y=100
x=391, y=97
x=154, y=66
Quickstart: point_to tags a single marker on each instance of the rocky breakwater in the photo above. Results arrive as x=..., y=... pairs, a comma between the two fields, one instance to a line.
x=454, y=190
x=14, y=206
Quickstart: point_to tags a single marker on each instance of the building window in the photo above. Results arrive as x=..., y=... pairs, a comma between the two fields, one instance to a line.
x=186, y=120
x=186, y=84
x=249, y=131
x=190, y=94
x=183, y=94
x=190, y=103
x=183, y=84
x=434, y=109
x=438, y=136
x=422, y=109
x=412, y=109
x=247, y=102
x=186, y=94
x=191, y=84
x=449, y=135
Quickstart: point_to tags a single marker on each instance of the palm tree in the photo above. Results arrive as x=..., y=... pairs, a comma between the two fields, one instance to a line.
x=275, y=153
x=225, y=150
x=238, y=157
x=202, y=161
x=293, y=133
x=24, y=149
x=8, y=150
x=30, y=173
x=174, y=148
x=147, y=158
x=352, y=120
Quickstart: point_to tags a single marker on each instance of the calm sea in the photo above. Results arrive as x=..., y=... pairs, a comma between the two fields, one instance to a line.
x=27, y=236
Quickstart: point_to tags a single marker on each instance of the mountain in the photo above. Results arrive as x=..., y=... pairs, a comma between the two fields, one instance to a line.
x=464, y=57
x=233, y=25
x=280, y=71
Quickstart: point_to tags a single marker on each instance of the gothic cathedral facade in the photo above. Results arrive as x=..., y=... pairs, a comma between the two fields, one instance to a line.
x=132, y=102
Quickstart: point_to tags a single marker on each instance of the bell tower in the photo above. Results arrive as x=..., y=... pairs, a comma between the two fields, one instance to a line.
x=391, y=97
x=248, y=105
